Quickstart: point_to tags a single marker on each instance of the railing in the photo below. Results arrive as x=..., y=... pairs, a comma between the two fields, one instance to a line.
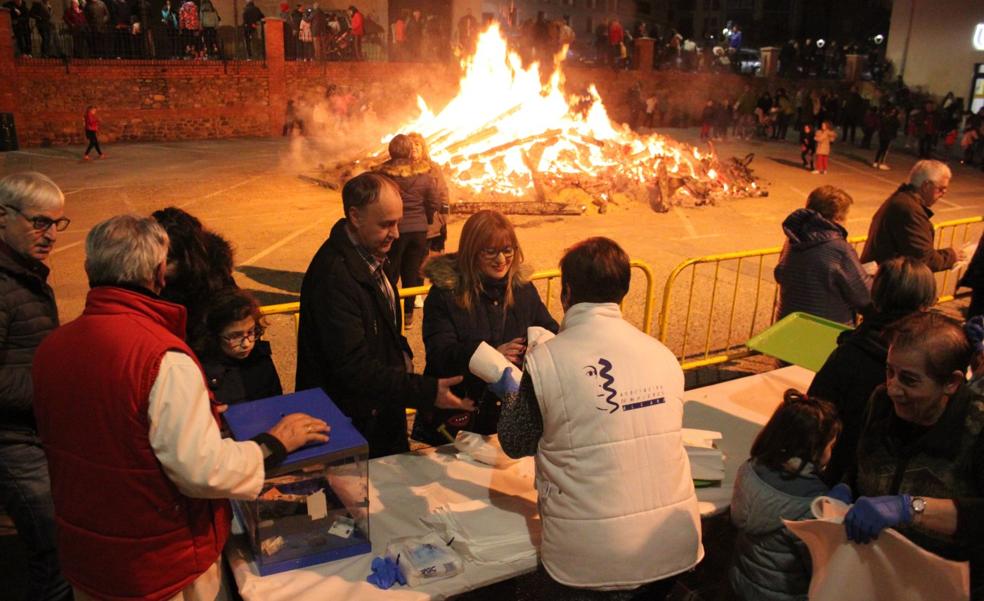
x=550, y=275
x=735, y=297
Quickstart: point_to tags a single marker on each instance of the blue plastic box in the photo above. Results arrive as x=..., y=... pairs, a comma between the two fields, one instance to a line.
x=314, y=507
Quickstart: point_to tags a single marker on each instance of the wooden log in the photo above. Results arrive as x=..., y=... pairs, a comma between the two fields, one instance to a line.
x=517, y=207
x=548, y=137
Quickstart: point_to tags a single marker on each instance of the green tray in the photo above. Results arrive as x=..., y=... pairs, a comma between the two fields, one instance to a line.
x=801, y=339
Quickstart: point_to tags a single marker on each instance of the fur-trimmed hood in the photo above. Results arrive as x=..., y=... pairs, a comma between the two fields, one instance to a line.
x=404, y=167
x=443, y=271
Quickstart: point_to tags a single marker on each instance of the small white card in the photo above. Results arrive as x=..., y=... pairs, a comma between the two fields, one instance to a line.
x=343, y=527
x=317, y=505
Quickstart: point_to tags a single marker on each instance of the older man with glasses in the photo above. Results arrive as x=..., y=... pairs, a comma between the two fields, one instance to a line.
x=902, y=228
x=31, y=215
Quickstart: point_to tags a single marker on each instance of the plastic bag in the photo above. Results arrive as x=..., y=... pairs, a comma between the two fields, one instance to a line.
x=424, y=559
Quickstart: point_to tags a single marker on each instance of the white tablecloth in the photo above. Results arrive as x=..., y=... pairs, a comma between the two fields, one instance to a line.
x=403, y=488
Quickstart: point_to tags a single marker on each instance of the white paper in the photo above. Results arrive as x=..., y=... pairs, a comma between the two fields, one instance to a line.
x=488, y=364
x=535, y=335
x=890, y=568
x=317, y=505
x=489, y=531
x=483, y=449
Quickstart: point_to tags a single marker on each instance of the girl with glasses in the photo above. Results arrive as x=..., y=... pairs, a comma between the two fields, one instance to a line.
x=480, y=294
x=238, y=363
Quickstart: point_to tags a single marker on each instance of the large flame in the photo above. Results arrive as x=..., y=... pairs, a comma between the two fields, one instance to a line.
x=505, y=129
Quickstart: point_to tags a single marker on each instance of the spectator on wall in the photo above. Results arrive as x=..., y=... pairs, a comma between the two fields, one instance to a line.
x=399, y=41
x=616, y=37
x=319, y=31
x=415, y=35
x=20, y=21
x=210, y=19
x=358, y=27
x=169, y=20
x=190, y=28
x=121, y=21
x=74, y=19
x=41, y=12
x=252, y=19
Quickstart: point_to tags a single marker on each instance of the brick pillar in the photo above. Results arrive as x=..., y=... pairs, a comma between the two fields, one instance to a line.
x=273, y=36
x=642, y=58
x=853, y=67
x=8, y=71
x=770, y=62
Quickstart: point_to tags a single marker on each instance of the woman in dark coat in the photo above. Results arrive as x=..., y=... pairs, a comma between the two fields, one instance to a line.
x=903, y=286
x=479, y=295
x=818, y=271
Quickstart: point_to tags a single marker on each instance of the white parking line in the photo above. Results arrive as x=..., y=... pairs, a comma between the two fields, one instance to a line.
x=222, y=191
x=48, y=156
x=281, y=243
x=870, y=172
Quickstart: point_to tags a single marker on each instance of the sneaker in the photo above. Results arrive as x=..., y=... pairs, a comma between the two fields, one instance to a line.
x=418, y=302
x=874, y=165
x=102, y=156
x=814, y=171
x=85, y=157
x=884, y=167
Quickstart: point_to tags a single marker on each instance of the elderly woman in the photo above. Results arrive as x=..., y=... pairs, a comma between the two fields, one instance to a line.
x=857, y=366
x=920, y=461
x=818, y=271
x=480, y=294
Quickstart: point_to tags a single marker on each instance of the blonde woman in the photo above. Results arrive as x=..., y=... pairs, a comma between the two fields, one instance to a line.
x=480, y=294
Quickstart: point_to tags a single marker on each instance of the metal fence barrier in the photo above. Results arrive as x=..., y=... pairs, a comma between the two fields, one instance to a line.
x=727, y=298
x=550, y=275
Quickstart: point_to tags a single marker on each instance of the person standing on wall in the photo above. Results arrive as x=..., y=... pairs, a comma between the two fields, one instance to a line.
x=91, y=120
x=252, y=18
x=358, y=30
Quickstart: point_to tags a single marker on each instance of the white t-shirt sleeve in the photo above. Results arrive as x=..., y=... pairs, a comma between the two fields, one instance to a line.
x=186, y=439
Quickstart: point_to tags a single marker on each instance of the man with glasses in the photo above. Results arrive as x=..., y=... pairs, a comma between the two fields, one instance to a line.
x=902, y=228
x=31, y=215
x=349, y=339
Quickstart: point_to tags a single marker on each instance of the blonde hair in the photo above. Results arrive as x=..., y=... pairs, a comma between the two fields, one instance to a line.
x=479, y=232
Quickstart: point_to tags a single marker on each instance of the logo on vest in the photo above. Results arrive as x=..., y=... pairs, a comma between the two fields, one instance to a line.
x=606, y=392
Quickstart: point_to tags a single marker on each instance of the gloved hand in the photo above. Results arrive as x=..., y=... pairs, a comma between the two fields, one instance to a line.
x=842, y=492
x=870, y=515
x=506, y=384
x=974, y=330
x=385, y=573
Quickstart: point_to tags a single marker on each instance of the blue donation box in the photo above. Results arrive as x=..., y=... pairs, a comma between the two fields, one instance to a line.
x=314, y=507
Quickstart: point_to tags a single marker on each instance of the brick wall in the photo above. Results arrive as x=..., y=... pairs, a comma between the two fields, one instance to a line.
x=177, y=100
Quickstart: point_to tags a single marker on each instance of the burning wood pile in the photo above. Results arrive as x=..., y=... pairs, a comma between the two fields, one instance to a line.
x=510, y=143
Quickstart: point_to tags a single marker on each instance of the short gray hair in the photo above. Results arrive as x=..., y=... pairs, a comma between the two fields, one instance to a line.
x=30, y=190
x=928, y=170
x=126, y=249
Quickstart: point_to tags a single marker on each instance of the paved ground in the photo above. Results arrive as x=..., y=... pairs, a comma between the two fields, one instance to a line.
x=247, y=190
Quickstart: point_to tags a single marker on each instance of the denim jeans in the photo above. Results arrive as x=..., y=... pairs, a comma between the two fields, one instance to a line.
x=25, y=492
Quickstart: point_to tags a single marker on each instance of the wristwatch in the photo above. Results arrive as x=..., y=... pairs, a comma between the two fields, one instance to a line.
x=918, y=506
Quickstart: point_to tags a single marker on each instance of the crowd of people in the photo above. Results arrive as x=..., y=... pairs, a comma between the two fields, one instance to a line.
x=167, y=339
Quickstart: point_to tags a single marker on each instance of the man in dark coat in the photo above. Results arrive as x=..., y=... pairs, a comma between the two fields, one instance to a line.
x=31, y=213
x=901, y=226
x=20, y=21
x=252, y=21
x=349, y=341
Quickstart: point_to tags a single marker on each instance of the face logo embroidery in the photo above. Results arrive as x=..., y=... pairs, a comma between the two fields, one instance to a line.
x=601, y=373
x=604, y=381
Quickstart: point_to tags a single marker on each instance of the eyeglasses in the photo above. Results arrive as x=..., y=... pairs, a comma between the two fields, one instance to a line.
x=238, y=339
x=40, y=223
x=507, y=252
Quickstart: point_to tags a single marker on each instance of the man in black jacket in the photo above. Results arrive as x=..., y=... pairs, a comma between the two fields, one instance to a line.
x=349, y=341
x=31, y=212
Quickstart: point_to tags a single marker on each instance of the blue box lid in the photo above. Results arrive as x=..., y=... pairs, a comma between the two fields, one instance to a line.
x=246, y=420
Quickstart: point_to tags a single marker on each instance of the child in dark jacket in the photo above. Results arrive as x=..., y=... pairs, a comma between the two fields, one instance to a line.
x=779, y=482
x=238, y=364
x=808, y=145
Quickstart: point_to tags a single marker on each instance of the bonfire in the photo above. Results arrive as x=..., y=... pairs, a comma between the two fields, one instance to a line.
x=510, y=142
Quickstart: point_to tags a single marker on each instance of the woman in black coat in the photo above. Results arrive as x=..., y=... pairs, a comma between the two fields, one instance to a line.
x=903, y=286
x=479, y=295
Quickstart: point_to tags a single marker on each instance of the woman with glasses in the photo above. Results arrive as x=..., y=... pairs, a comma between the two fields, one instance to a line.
x=480, y=294
x=238, y=363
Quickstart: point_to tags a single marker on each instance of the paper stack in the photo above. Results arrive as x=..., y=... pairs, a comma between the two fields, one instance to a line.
x=706, y=461
x=500, y=530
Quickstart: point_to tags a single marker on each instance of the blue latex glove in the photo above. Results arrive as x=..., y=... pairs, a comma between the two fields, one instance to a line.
x=974, y=330
x=842, y=492
x=505, y=385
x=870, y=515
x=385, y=573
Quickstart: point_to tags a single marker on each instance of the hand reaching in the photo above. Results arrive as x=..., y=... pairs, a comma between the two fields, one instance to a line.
x=448, y=400
x=513, y=350
x=870, y=515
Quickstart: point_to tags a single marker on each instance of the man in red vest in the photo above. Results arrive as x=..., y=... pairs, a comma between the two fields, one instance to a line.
x=139, y=472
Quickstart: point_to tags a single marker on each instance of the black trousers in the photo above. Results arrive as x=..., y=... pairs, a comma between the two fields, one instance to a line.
x=93, y=142
x=882, y=150
x=405, y=258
